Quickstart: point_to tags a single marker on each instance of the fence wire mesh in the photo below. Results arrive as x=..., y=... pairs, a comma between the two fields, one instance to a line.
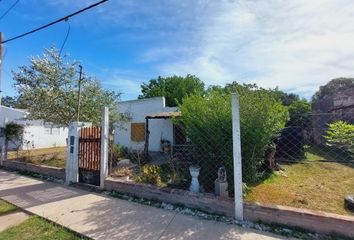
x=308, y=164
x=54, y=156
x=301, y=160
x=192, y=144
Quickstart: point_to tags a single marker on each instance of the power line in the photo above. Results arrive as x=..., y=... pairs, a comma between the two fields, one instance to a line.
x=8, y=10
x=66, y=37
x=54, y=22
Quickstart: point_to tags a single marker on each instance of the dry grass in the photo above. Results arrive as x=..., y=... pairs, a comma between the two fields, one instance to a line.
x=313, y=185
x=54, y=157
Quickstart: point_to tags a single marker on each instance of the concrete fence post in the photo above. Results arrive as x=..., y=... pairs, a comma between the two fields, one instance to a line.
x=236, y=140
x=3, y=153
x=72, y=152
x=104, y=146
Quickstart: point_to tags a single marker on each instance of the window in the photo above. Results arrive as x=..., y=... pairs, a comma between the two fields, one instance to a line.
x=137, y=132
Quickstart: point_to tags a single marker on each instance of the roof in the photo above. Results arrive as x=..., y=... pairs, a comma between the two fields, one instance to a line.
x=164, y=115
x=14, y=109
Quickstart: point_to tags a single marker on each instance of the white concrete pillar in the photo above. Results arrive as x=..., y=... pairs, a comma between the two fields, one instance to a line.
x=3, y=153
x=236, y=140
x=72, y=153
x=104, y=145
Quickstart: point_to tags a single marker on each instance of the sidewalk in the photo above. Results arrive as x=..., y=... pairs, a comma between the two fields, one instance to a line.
x=102, y=217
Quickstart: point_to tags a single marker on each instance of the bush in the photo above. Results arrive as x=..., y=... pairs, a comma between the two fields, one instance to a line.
x=13, y=131
x=208, y=125
x=117, y=152
x=341, y=135
x=150, y=174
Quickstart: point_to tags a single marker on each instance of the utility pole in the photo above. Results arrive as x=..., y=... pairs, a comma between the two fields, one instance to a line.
x=79, y=96
x=1, y=50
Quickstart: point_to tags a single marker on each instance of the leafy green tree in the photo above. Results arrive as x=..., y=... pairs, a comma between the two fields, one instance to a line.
x=8, y=101
x=208, y=125
x=174, y=88
x=333, y=86
x=48, y=88
x=341, y=135
x=300, y=114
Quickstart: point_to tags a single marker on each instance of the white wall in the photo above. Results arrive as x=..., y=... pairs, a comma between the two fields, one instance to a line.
x=10, y=114
x=40, y=136
x=36, y=133
x=138, y=109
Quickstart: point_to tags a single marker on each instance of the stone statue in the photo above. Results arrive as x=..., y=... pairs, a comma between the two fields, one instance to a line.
x=222, y=174
x=221, y=186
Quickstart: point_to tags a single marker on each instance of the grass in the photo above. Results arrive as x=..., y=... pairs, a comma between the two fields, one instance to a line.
x=54, y=157
x=6, y=208
x=310, y=184
x=35, y=228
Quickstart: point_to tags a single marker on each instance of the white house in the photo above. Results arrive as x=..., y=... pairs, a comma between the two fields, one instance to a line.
x=147, y=114
x=37, y=134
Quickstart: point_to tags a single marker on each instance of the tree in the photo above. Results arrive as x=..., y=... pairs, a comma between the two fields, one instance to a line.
x=208, y=125
x=13, y=133
x=333, y=86
x=48, y=89
x=8, y=101
x=174, y=88
x=341, y=135
x=300, y=114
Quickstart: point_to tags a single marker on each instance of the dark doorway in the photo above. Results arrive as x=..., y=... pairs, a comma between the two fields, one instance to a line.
x=178, y=135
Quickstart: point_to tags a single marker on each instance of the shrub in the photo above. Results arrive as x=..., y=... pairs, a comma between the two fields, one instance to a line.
x=150, y=174
x=117, y=151
x=341, y=135
x=13, y=131
x=208, y=125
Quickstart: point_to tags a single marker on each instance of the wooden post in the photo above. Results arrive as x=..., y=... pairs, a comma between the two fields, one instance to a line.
x=147, y=133
x=236, y=140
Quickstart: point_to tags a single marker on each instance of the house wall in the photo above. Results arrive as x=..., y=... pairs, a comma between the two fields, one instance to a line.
x=339, y=106
x=40, y=136
x=10, y=114
x=138, y=109
x=36, y=133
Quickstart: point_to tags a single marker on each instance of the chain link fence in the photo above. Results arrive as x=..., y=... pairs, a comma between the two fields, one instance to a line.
x=195, y=148
x=54, y=156
x=309, y=164
x=300, y=160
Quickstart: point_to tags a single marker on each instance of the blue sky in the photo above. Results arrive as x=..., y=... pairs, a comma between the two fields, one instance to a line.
x=296, y=45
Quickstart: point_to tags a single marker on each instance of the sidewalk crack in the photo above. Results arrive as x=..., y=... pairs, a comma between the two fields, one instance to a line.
x=169, y=223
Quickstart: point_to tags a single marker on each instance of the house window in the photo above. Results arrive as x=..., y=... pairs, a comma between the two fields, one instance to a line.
x=137, y=132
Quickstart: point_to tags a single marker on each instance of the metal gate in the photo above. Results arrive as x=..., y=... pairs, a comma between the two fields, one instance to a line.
x=90, y=155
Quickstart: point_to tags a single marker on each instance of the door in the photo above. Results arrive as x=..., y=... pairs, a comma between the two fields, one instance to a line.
x=90, y=155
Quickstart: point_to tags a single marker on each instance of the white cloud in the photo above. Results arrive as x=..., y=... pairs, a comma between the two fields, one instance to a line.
x=296, y=45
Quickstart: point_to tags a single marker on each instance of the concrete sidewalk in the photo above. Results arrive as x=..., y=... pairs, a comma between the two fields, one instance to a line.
x=102, y=217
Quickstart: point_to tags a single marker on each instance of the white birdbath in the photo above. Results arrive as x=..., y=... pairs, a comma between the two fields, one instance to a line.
x=194, y=171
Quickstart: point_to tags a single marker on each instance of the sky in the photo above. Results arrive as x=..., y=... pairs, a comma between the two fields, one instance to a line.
x=295, y=45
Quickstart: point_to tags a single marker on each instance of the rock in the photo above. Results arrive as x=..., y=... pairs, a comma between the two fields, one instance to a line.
x=125, y=163
x=349, y=202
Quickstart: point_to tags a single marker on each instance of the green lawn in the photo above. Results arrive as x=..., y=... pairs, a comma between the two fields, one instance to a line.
x=309, y=184
x=6, y=208
x=35, y=228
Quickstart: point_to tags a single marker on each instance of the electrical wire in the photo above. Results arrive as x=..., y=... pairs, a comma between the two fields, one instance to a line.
x=9, y=9
x=66, y=37
x=54, y=22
